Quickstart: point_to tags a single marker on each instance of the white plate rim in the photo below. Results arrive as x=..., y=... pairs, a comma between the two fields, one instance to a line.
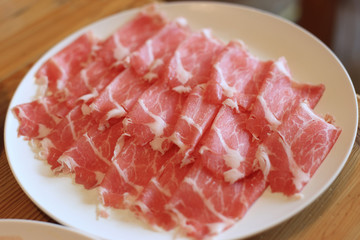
x=34, y=227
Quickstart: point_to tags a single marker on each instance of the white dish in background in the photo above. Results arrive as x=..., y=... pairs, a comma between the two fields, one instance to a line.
x=266, y=36
x=16, y=229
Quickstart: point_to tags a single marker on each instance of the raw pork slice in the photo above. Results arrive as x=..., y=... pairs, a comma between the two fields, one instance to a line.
x=71, y=128
x=147, y=62
x=117, y=98
x=290, y=156
x=109, y=63
x=150, y=205
x=154, y=115
x=152, y=58
x=195, y=118
x=86, y=84
x=36, y=118
x=64, y=65
x=121, y=94
x=205, y=206
x=132, y=168
x=90, y=156
x=132, y=35
x=192, y=60
x=277, y=96
x=227, y=149
x=237, y=76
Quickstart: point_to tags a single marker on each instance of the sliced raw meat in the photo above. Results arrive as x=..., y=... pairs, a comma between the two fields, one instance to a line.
x=237, y=76
x=196, y=116
x=150, y=60
x=290, y=156
x=132, y=168
x=131, y=35
x=87, y=83
x=36, y=118
x=71, y=128
x=128, y=38
x=227, y=149
x=150, y=205
x=154, y=115
x=118, y=97
x=192, y=60
x=56, y=71
x=90, y=156
x=277, y=96
x=205, y=206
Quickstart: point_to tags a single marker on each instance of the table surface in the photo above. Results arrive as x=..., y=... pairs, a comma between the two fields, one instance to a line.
x=30, y=27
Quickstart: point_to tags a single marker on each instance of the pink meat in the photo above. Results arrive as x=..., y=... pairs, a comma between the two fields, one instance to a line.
x=227, y=149
x=154, y=115
x=290, y=156
x=150, y=205
x=131, y=35
x=237, y=76
x=86, y=84
x=90, y=156
x=204, y=206
x=277, y=96
x=147, y=62
x=192, y=60
x=118, y=97
x=195, y=118
x=71, y=128
x=121, y=94
x=150, y=60
x=109, y=63
x=65, y=64
x=36, y=118
x=132, y=168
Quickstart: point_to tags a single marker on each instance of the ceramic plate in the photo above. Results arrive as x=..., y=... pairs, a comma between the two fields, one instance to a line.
x=268, y=37
x=34, y=230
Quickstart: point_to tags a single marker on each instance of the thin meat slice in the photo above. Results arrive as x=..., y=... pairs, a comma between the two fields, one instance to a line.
x=237, y=76
x=131, y=35
x=82, y=118
x=65, y=64
x=150, y=204
x=155, y=114
x=132, y=168
x=147, y=62
x=92, y=79
x=36, y=118
x=228, y=150
x=192, y=60
x=150, y=60
x=117, y=98
x=110, y=57
x=195, y=118
x=205, y=206
x=290, y=156
x=71, y=128
x=277, y=96
x=90, y=156
x=153, y=117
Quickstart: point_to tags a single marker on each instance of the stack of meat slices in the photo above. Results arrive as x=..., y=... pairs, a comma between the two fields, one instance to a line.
x=183, y=129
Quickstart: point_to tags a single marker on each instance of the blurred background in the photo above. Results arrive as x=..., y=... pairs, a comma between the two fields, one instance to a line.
x=334, y=22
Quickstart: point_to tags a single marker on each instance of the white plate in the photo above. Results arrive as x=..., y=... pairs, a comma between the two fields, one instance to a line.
x=35, y=230
x=267, y=36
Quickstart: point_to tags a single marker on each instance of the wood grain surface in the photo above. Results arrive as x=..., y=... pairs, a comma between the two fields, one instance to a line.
x=30, y=27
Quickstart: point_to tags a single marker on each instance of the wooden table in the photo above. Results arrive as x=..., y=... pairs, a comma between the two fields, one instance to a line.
x=30, y=27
